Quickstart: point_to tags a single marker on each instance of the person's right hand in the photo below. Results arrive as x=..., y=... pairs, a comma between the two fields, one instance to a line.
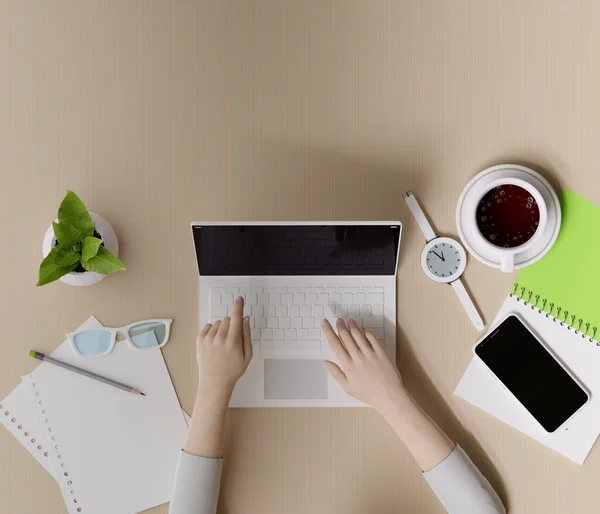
x=366, y=372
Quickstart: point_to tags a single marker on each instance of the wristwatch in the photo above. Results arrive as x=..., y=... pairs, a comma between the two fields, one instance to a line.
x=444, y=260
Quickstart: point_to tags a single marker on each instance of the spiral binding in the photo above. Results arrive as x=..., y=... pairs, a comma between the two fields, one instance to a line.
x=561, y=316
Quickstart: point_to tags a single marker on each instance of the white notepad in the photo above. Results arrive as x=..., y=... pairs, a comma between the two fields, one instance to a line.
x=576, y=351
x=15, y=416
x=112, y=451
x=15, y=406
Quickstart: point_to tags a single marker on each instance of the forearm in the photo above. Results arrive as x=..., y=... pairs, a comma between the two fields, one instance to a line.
x=196, y=489
x=205, y=435
x=455, y=480
x=423, y=438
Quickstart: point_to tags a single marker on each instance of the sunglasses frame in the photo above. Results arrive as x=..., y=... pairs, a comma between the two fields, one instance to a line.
x=113, y=336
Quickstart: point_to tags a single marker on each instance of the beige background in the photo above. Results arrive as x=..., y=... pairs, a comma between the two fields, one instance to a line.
x=160, y=113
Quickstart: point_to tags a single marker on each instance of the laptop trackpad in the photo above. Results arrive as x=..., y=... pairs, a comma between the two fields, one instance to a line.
x=295, y=379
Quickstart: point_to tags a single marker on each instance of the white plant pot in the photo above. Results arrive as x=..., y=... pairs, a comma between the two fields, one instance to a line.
x=110, y=243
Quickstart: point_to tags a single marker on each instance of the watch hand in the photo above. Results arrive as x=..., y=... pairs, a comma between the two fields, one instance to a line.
x=438, y=256
x=443, y=256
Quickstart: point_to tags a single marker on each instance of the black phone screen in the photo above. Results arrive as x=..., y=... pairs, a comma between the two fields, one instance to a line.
x=531, y=373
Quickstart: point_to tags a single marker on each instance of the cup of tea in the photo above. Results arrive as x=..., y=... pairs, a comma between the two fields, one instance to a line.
x=510, y=217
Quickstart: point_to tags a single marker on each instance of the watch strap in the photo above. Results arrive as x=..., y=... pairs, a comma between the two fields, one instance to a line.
x=419, y=215
x=468, y=304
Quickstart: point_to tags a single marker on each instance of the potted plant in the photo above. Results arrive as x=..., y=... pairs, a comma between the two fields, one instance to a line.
x=80, y=248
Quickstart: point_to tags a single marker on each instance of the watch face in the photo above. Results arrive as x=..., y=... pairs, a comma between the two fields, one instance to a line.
x=443, y=260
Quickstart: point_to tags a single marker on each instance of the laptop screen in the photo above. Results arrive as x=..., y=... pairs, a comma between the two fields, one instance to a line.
x=296, y=249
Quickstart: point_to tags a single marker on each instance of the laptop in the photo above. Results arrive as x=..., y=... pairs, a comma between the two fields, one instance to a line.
x=292, y=275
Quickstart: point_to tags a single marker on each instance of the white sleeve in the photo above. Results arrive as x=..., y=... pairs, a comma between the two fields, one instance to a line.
x=461, y=487
x=196, y=489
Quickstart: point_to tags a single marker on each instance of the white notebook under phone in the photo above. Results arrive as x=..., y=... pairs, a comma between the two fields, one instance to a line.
x=577, y=437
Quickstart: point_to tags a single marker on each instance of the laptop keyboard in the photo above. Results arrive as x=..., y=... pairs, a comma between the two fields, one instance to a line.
x=289, y=318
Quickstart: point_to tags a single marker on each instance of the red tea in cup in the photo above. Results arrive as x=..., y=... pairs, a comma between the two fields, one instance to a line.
x=508, y=216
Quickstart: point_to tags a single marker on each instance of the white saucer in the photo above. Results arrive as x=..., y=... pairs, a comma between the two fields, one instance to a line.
x=551, y=230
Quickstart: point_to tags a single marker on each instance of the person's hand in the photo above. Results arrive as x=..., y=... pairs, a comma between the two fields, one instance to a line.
x=366, y=372
x=224, y=351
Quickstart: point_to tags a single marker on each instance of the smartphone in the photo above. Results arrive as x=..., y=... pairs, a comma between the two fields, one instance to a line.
x=521, y=362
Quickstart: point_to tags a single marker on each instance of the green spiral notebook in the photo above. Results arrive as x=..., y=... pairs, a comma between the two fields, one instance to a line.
x=566, y=282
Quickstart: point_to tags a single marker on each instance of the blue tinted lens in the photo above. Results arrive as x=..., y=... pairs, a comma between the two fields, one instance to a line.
x=148, y=335
x=92, y=342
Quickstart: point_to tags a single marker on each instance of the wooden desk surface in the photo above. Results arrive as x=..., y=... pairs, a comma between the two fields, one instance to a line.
x=159, y=113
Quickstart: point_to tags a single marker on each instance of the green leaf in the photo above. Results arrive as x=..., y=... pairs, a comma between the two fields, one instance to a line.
x=66, y=235
x=104, y=262
x=73, y=212
x=57, y=263
x=89, y=248
x=66, y=256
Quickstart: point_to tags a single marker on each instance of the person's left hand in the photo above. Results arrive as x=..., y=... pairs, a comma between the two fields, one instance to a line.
x=224, y=351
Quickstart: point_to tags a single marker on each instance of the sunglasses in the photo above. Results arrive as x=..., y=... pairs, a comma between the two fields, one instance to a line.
x=150, y=333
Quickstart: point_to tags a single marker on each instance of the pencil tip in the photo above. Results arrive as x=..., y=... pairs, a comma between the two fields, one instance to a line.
x=143, y=394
